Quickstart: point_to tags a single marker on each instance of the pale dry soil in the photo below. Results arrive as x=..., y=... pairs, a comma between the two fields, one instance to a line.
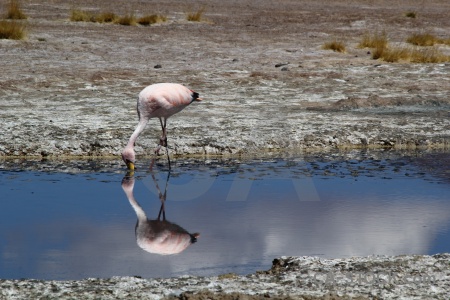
x=70, y=89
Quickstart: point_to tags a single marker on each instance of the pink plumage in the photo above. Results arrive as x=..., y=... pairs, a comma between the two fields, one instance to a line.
x=160, y=100
x=163, y=99
x=157, y=236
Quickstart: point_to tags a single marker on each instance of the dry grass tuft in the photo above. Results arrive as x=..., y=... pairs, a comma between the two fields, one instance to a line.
x=77, y=15
x=195, y=16
x=14, y=11
x=335, y=45
x=151, y=19
x=378, y=52
x=423, y=39
x=12, y=30
x=413, y=55
x=127, y=20
x=106, y=17
x=429, y=55
x=426, y=39
x=376, y=40
x=392, y=54
x=382, y=51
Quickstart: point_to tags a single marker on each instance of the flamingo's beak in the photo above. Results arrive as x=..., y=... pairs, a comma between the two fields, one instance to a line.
x=198, y=99
x=130, y=165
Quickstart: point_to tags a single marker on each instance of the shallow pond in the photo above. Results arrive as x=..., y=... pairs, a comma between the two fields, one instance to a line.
x=78, y=219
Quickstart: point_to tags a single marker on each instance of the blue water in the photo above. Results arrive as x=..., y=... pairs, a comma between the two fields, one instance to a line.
x=59, y=224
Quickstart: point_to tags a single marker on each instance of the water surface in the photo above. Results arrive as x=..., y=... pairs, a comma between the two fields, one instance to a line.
x=72, y=220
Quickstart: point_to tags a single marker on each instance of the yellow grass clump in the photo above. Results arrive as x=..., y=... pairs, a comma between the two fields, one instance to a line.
x=14, y=11
x=106, y=17
x=391, y=54
x=376, y=40
x=413, y=55
x=127, y=20
x=426, y=39
x=423, y=39
x=429, y=55
x=335, y=45
x=12, y=30
x=77, y=15
x=195, y=16
x=382, y=51
x=151, y=19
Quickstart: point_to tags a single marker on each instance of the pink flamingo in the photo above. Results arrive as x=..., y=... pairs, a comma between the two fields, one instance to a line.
x=157, y=236
x=159, y=100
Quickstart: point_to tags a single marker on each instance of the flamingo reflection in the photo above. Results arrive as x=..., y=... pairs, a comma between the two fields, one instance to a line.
x=157, y=236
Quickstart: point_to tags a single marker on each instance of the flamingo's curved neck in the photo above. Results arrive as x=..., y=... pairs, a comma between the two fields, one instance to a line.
x=139, y=128
x=142, y=217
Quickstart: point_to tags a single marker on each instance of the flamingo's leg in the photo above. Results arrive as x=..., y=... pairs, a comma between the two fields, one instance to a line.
x=163, y=139
x=162, y=197
x=163, y=211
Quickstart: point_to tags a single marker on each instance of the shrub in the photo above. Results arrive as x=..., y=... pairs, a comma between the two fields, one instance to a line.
x=151, y=19
x=195, y=16
x=14, y=11
x=12, y=30
x=335, y=46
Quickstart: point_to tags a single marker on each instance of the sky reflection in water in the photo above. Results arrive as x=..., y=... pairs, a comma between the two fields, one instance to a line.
x=73, y=226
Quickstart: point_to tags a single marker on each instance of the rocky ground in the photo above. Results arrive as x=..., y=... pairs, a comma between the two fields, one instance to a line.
x=69, y=90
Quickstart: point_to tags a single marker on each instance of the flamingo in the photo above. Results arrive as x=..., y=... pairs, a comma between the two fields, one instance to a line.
x=157, y=236
x=160, y=100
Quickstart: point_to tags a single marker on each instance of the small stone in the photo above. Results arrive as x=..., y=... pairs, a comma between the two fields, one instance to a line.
x=281, y=64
